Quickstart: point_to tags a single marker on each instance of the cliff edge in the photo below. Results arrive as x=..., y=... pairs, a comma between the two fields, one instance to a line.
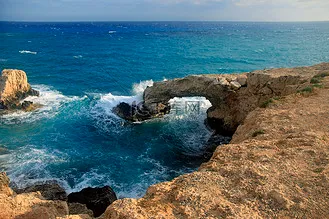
x=276, y=166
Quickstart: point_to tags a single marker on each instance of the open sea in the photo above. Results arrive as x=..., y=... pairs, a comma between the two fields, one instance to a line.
x=84, y=69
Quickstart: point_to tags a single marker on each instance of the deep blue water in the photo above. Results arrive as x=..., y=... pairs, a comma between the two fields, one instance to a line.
x=84, y=69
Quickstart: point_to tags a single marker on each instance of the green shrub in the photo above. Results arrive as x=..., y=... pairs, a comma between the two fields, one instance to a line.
x=306, y=90
x=318, y=85
x=315, y=80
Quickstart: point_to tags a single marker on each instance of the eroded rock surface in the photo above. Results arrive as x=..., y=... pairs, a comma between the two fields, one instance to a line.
x=276, y=166
x=27, y=205
x=232, y=96
x=14, y=88
x=50, y=190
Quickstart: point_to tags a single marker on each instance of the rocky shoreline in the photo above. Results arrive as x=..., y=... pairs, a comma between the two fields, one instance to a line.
x=276, y=165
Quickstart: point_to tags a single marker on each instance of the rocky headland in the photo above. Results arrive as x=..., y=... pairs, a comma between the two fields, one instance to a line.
x=276, y=165
x=14, y=88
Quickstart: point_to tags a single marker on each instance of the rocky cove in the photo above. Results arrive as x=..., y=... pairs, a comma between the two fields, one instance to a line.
x=276, y=164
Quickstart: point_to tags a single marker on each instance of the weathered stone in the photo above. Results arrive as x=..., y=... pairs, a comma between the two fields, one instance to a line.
x=96, y=199
x=49, y=190
x=235, y=85
x=27, y=205
x=77, y=208
x=14, y=88
x=231, y=102
x=242, y=80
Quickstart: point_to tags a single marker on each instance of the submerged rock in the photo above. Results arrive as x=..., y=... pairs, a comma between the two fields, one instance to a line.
x=49, y=190
x=14, y=87
x=96, y=199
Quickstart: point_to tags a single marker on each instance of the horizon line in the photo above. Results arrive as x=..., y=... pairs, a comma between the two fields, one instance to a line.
x=77, y=21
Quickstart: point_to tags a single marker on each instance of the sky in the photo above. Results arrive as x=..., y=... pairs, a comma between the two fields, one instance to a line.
x=164, y=10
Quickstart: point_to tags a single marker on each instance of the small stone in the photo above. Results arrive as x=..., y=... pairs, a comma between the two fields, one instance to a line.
x=224, y=82
x=235, y=85
x=242, y=80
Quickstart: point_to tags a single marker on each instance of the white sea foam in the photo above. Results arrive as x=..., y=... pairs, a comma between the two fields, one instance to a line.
x=27, y=165
x=112, y=31
x=27, y=52
x=78, y=56
x=50, y=101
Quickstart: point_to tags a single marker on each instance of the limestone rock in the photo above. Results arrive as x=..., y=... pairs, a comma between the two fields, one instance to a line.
x=281, y=174
x=232, y=101
x=96, y=199
x=14, y=88
x=27, y=205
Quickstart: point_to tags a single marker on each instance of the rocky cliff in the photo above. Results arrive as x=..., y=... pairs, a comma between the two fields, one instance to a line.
x=277, y=164
x=232, y=96
x=13, y=89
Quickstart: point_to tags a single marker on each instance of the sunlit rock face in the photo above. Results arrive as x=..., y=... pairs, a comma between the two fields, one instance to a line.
x=14, y=87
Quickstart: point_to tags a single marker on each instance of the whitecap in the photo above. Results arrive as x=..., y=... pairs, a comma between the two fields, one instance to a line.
x=78, y=56
x=27, y=52
x=50, y=101
x=112, y=31
x=102, y=113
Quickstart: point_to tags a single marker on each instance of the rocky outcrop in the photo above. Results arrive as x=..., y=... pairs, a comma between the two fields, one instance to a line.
x=232, y=96
x=96, y=199
x=27, y=205
x=50, y=190
x=13, y=89
x=276, y=166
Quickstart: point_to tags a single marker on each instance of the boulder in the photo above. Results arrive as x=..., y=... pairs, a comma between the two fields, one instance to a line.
x=96, y=199
x=49, y=190
x=14, y=87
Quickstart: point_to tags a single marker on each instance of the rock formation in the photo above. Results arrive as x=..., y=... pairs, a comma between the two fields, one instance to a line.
x=232, y=96
x=13, y=89
x=96, y=199
x=27, y=205
x=276, y=166
x=50, y=190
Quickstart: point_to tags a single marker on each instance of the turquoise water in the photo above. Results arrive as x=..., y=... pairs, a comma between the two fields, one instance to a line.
x=84, y=69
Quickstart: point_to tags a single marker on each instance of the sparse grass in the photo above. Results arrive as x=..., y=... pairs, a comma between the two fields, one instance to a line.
x=321, y=75
x=318, y=85
x=258, y=132
x=266, y=103
x=277, y=98
x=315, y=80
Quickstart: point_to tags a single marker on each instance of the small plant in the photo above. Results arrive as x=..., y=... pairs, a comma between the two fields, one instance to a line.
x=306, y=90
x=258, y=132
x=266, y=103
x=318, y=85
x=315, y=80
